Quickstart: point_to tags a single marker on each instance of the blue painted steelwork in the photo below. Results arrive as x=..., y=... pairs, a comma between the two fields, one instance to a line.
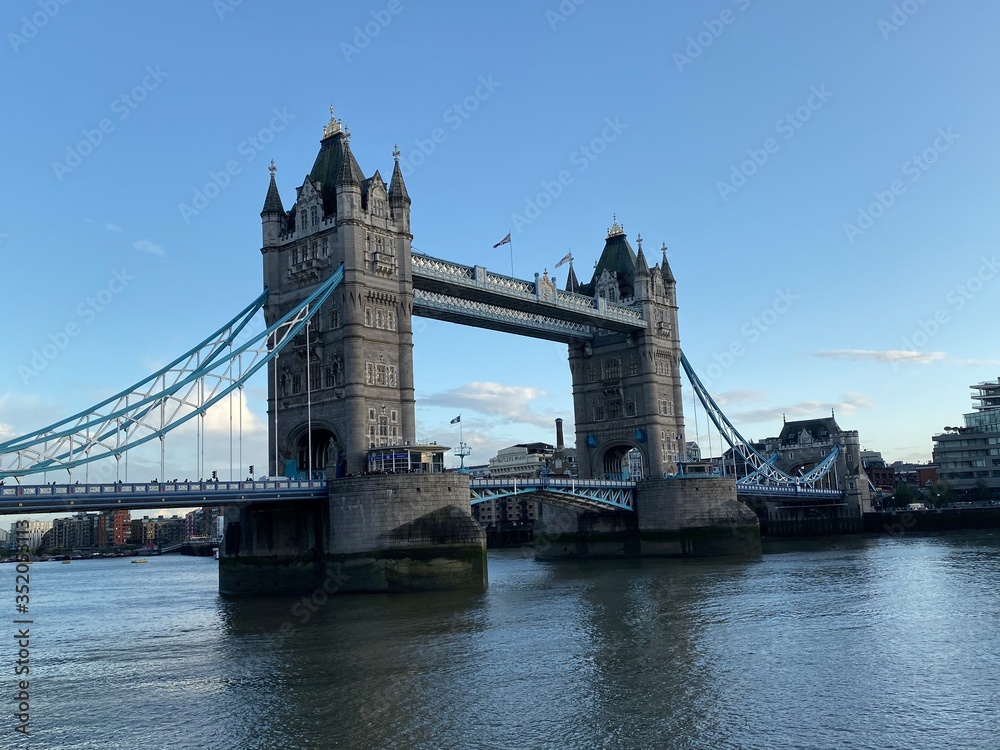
x=92, y=435
x=764, y=470
x=785, y=491
x=72, y=498
x=587, y=494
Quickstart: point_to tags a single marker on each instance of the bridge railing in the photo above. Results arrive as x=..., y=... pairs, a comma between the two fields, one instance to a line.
x=784, y=489
x=507, y=285
x=571, y=483
x=158, y=488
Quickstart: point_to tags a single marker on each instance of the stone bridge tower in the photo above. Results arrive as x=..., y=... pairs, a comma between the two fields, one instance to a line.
x=346, y=384
x=626, y=387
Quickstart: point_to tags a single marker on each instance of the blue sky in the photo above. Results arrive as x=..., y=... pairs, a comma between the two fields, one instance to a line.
x=825, y=176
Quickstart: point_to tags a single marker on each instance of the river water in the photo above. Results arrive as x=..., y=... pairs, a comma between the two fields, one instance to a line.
x=854, y=643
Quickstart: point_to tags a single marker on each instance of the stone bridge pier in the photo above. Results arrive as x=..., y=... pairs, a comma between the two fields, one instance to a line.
x=674, y=517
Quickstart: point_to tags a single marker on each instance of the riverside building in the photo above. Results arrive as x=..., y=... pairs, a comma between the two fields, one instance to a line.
x=969, y=456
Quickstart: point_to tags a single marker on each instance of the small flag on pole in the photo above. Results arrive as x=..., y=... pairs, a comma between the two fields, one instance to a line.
x=504, y=241
x=568, y=257
x=456, y=420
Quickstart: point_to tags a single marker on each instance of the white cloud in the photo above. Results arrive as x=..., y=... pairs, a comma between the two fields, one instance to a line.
x=112, y=227
x=887, y=355
x=510, y=403
x=217, y=418
x=977, y=362
x=848, y=404
x=739, y=397
x=148, y=246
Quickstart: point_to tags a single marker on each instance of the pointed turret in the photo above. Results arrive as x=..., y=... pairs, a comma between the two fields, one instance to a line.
x=399, y=199
x=397, y=188
x=272, y=216
x=272, y=203
x=668, y=276
x=350, y=173
x=641, y=267
x=641, y=281
x=572, y=284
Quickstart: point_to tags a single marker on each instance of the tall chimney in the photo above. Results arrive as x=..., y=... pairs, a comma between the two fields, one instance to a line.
x=559, y=434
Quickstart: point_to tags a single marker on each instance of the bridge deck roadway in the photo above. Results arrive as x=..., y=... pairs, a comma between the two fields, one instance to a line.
x=73, y=498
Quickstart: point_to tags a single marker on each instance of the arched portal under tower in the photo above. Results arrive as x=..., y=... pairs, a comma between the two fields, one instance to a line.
x=623, y=461
x=326, y=452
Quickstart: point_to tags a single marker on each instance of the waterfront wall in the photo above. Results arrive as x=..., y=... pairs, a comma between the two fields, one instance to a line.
x=946, y=519
x=809, y=521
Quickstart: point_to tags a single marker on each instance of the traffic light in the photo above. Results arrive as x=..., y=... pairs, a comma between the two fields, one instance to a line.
x=251, y=469
x=215, y=476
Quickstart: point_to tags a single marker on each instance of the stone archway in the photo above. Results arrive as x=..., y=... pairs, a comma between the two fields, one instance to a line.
x=623, y=461
x=327, y=452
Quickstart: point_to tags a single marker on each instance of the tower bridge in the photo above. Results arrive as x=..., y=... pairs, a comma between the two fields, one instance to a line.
x=342, y=285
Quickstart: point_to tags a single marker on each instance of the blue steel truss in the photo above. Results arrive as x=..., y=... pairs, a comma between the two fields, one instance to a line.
x=162, y=402
x=764, y=470
x=586, y=494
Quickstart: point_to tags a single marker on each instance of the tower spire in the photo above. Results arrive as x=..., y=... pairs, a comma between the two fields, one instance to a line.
x=641, y=266
x=615, y=229
x=665, y=272
x=272, y=203
x=397, y=188
x=334, y=126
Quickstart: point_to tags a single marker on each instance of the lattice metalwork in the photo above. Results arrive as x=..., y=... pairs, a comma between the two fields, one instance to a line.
x=459, y=275
x=457, y=309
x=509, y=284
x=764, y=471
x=424, y=264
x=586, y=494
x=162, y=402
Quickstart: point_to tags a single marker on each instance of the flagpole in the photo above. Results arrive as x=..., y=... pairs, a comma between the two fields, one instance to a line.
x=511, y=243
x=462, y=450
